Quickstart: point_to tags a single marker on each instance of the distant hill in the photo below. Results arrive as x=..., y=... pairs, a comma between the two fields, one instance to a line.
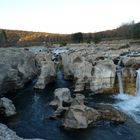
x=19, y=38
x=26, y=38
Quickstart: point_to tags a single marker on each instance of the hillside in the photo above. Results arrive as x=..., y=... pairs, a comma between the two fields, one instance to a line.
x=25, y=38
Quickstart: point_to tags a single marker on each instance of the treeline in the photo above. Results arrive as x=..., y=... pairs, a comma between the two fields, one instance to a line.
x=24, y=38
x=126, y=31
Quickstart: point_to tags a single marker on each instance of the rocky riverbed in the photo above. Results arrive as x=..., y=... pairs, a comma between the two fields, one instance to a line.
x=29, y=77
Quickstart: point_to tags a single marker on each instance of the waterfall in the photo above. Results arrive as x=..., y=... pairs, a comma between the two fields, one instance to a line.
x=130, y=104
x=138, y=82
x=119, y=76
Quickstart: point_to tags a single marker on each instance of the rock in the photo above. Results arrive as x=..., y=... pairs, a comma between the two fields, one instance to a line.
x=82, y=75
x=129, y=80
x=62, y=98
x=8, y=134
x=103, y=77
x=81, y=116
x=8, y=106
x=17, y=67
x=131, y=64
x=78, y=115
x=66, y=65
x=90, y=70
x=46, y=76
x=47, y=69
x=42, y=56
x=108, y=113
x=75, y=66
x=61, y=95
x=78, y=100
x=59, y=113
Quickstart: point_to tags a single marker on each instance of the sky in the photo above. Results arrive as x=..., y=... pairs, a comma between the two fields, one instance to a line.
x=67, y=16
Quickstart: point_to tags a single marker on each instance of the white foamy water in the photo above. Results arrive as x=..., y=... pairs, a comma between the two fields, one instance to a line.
x=120, y=82
x=128, y=104
x=119, y=75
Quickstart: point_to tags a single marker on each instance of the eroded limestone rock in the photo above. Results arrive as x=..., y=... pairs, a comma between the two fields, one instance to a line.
x=47, y=69
x=103, y=78
x=61, y=95
x=17, y=67
x=79, y=116
x=8, y=106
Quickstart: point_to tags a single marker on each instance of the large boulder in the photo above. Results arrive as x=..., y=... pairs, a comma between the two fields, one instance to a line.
x=46, y=76
x=89, y=70
x=103, y=76
x=75, y=66
x=65, y=58
x=108, y=113
x=131, y=64
x=92, y=68
x=78, y=100
x=79, y=116
x=61, y=101
x=17, y=67
x=61, y=96
x=42, y=56
x=8, y=106
x=8, y=134
x=47, y=69
x=82, y=75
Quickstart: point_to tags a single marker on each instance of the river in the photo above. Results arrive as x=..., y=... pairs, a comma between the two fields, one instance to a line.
x=33, y=109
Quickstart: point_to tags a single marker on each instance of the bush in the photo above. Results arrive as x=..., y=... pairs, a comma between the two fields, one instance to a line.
x=77, y=37
x=3, y=38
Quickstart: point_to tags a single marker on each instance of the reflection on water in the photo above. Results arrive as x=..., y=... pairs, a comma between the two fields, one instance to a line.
x=33, y=112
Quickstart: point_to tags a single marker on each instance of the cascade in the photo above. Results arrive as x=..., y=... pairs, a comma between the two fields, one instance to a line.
x=138, y=82
x=130, y=104
x=119, y=76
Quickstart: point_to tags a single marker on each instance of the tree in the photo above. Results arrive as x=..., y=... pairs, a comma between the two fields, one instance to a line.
x=77, y=37
x=136, y=31
x=3, y=38
x=89, y=38
x=97, y=38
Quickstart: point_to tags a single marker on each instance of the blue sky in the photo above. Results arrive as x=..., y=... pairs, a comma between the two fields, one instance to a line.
x=67, y=16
